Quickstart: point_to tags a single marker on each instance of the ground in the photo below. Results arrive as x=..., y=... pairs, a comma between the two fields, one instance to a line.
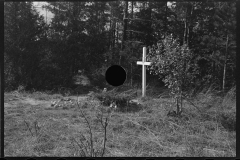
x=33, y=127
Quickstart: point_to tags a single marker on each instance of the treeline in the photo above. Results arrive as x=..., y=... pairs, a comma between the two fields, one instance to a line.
x=91, y=36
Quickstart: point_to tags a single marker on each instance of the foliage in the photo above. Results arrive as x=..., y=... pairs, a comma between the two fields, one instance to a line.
x=97, y=77
x=175, y=63
x=23, y=37
x=89, y=36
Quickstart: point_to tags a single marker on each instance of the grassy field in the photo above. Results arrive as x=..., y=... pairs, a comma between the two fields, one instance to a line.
x=33, y=127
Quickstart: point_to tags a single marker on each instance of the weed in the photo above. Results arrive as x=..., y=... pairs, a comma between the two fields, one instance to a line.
x=86, y=146
x=91, y=129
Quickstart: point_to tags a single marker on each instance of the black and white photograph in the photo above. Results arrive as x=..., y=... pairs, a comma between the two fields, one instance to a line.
x=119, y=79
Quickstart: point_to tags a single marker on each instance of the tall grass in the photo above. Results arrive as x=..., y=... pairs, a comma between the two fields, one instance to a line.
x=206, y=128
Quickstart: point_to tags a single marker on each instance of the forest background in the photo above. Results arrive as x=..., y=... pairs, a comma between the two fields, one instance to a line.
x=88, y=37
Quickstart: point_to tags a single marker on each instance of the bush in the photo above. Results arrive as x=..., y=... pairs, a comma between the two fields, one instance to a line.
x=121, y=99
x=175, y=64
x=97, y=77
x=80, y=89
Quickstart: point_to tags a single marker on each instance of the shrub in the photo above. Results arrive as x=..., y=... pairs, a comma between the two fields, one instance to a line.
x=121, y=99
x=175, y=64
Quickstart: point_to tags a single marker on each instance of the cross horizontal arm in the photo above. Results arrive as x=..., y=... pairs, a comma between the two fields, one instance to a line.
x=143, y=63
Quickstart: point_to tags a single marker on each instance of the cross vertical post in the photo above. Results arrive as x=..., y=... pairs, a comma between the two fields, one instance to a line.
x=144, y=63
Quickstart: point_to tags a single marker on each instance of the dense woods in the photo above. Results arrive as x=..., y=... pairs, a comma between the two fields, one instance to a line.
x=91, y=36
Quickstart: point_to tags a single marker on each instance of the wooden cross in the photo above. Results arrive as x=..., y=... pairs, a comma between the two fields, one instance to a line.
x=144, y=64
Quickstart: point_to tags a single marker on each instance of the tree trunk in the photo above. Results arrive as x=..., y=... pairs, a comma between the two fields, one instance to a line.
x=69, y=15
x=225, y=66
x=70, y=69
x=110, y=28
x=131, y=71
x=189, y=20
x=131, y=34
x=149, y=41
x=124, y=28
x=189, y=11
x=213, y=62
x=114, y=32
x=185, y=29
x=166, y=20
x=110, y=35
x=117, y=33
x=97, y=18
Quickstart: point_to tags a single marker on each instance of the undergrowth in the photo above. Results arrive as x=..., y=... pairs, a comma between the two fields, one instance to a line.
x=207, y=127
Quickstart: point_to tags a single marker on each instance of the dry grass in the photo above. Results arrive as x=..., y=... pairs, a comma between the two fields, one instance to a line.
x=37, y=130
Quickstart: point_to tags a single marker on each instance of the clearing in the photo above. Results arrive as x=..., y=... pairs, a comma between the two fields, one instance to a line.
x=34, y=127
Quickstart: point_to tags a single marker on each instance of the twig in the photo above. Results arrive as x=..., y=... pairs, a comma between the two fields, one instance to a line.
x=80, y=146
x=28, y=127
x=90, y=131
x=187, y=99
x=105, y=135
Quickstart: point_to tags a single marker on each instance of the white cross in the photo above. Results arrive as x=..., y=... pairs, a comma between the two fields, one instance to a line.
x=144, y=64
